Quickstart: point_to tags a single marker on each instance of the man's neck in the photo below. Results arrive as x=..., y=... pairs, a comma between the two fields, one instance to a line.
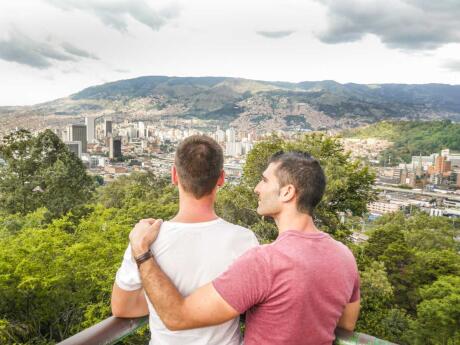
x=294, y=220
x=193, y=210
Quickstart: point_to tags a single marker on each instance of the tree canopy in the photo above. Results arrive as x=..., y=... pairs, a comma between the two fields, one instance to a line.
x=348, y=187
x=41, y=171
x=57, y=264
x=411, y=138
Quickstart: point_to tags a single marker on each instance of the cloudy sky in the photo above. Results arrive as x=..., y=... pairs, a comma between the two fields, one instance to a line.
x=53, y=48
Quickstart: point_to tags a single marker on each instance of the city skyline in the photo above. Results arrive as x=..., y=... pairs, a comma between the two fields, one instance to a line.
x=51, y=49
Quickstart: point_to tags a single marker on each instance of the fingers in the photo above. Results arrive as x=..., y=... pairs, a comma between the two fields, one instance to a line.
x=148, y=220
x=143, y=235
x=157, y=224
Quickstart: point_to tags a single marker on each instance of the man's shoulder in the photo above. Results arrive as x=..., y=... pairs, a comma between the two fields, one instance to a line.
x=239, y=233
x=344, y=248
x=235, y=227
x=218, y=228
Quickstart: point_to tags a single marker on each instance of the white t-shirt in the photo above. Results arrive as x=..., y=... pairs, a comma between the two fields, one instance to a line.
x=192, y=255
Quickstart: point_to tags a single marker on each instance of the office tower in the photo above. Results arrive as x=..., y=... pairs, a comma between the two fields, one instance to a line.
x=220, y=136
x=131, y=132
x=64, y=135
x=90, y=128
x=107, y=127
x=141, y=127
x=75, y=147
x=442, y=165
x=114, y=148
x=78, y=133
x=233, y=149
x=231, y=135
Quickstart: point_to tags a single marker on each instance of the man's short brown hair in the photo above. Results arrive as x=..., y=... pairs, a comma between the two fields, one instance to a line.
x=199, y=161
x=305, y=173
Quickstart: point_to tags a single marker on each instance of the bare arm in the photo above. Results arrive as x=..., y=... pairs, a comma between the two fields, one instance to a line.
x=349, y=316
x=204, y=307
x=128, y=303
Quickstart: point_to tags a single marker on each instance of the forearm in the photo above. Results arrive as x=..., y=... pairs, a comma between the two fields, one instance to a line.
x=165, y=297
x=128, y=303
x=349, y=316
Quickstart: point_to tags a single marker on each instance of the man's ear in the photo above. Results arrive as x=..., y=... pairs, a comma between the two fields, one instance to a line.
x=221, y=179
x=174, y=179
x=287, y=193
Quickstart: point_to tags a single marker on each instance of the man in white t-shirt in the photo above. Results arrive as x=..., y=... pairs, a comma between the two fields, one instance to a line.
x=193, y=248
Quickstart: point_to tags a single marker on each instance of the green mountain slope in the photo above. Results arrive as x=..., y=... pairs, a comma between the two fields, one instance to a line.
x=204, y=95
x=247, y=104
x=412, y=137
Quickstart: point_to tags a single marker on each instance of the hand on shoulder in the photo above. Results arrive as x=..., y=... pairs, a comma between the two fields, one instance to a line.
x=143, y=235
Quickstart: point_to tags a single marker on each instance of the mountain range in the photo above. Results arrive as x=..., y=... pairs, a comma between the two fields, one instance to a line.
x=247, y=104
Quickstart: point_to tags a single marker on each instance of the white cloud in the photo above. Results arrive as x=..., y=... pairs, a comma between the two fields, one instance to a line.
x=116, y=13
x=452, y=65
x=22, y=49
x=73, y=50
x=402, y=24
x=275, y=34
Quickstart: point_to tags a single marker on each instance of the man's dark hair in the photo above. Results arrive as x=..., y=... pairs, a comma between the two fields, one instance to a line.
x=199, y=161
x=305, y=173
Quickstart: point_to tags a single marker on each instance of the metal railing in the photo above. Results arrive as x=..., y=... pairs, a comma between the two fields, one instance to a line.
x=114, y=329
x=109, y=331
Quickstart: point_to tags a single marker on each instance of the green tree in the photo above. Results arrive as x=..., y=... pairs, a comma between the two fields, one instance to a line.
x=386, y=231
x=376, y=299
x=428, y=266
x=41, y=172
x=18, y=176
x=416, y=250
x=398, y=258
x=431, y=233
x=135, y=188
x=438, y=315
x=349, y=184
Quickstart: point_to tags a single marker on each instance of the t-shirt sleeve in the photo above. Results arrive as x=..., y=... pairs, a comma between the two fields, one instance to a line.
x=355, y=295
x=255, y=241
x=127, y=277
x=247, y=281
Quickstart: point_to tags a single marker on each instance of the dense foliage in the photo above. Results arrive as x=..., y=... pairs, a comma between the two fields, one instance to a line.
x=348, y=190
x=41, y=171
x=412, y=138
x=56, y=277
x=57, y=270
x=410, y=269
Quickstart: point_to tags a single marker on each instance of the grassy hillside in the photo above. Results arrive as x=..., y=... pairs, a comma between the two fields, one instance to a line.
x=412, y=137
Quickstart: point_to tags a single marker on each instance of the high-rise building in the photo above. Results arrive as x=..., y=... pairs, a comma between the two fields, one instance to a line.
x=131, y=132
x=90, y=128
x=442, y=165
x=233, y=149
x=75, y=147
x=115, y=147
x=231, y=135
x=78, y=133
x=141, y=128
x=220, y=136
x=107, y=127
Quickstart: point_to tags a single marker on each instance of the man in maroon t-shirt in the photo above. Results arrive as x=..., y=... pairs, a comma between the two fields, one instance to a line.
x=296, y=290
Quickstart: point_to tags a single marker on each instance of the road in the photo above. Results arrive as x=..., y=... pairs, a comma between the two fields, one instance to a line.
x=419, y=192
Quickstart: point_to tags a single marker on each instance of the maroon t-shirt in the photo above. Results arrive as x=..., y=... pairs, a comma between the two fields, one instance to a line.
x=293, y=290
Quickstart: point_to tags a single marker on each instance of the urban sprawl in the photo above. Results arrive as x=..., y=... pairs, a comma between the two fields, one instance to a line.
x=111, y=148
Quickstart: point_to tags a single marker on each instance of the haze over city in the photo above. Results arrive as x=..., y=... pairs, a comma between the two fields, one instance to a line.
x=51, y=49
